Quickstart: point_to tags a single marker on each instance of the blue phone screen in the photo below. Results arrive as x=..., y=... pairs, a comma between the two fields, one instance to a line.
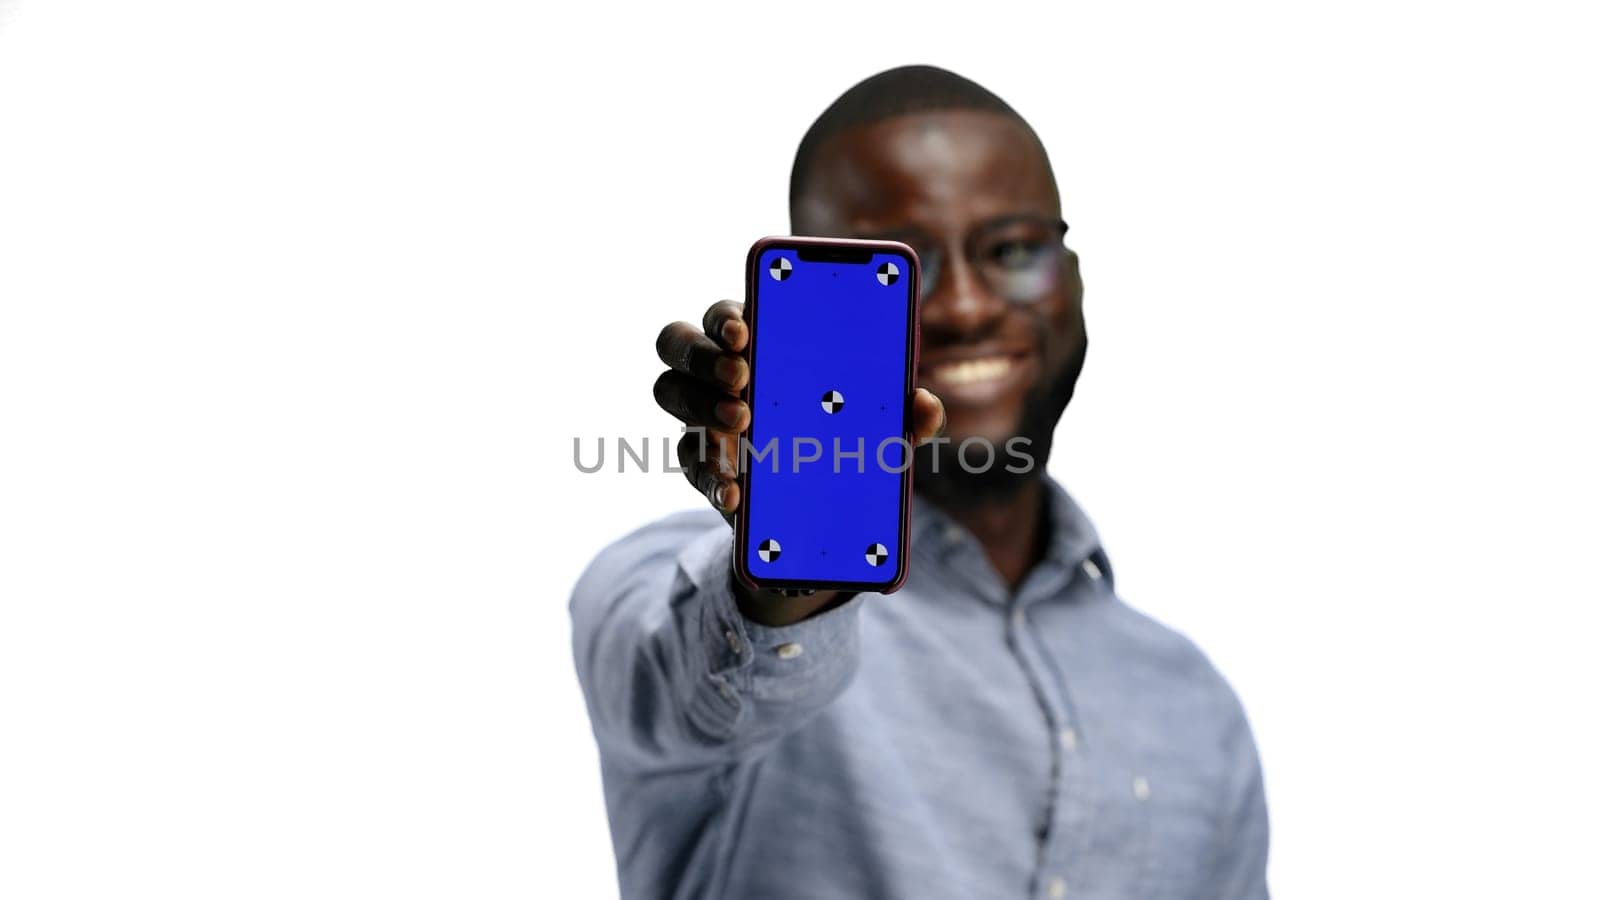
x=827, y=435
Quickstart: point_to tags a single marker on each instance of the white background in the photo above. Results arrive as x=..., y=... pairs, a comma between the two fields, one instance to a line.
x=305, y=302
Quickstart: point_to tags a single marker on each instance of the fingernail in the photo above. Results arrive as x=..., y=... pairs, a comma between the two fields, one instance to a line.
x=730, y=412
x=729, y=330
x=720, y=497
x=730, y=369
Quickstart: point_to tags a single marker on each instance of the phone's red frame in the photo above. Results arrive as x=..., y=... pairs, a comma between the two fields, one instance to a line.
x=913, y=347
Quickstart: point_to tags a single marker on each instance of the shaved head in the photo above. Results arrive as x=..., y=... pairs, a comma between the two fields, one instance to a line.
x=896, y=92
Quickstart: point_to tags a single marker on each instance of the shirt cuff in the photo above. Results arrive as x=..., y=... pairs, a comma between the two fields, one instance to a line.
x=760, y=676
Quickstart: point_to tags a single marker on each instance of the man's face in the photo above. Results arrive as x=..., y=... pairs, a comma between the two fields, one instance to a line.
x=1004, y=362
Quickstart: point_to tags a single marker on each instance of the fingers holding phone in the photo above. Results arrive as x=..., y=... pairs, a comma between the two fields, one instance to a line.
x=701, y=389
x=707, y=371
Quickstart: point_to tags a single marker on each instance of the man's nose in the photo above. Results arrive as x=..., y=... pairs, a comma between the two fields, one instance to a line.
x=961, y=305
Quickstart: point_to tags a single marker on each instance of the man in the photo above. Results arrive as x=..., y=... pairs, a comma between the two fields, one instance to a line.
x=1002, y=727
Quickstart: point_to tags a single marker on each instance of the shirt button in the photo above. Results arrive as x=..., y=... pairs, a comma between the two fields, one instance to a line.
x=789, y=651
x=1019, y=617
x=952, y=533
x=1069, y=740
x=1141, y=787
x=1057, y=888
x=733, y=641
x=1091, y=568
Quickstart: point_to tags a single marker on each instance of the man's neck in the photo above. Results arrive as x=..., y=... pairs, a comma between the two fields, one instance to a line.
x=1011, y=529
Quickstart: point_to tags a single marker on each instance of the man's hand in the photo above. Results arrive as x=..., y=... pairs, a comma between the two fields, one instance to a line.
x=706, y=372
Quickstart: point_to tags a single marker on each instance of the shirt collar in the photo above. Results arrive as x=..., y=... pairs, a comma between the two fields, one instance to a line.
x=1073, y=538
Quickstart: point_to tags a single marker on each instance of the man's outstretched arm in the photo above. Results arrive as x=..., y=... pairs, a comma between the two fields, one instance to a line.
x=674, y=674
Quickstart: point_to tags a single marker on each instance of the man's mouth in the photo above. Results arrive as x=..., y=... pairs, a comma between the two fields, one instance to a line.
x=977, y=377
x=971, y=371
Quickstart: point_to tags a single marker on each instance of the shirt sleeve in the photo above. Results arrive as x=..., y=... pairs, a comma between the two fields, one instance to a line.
x=674, y=675
x=1242, y=854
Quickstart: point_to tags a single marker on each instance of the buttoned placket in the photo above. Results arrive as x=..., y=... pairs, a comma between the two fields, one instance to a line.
x=1063, y=842
x=1053, y=874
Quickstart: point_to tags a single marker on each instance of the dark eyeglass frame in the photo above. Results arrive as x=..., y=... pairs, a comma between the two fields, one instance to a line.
x=932, y=251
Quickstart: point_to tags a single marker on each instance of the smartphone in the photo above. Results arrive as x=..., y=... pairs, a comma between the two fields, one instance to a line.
x=825, y=465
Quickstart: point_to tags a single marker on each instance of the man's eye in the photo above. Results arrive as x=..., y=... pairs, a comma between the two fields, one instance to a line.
x=1015, y=254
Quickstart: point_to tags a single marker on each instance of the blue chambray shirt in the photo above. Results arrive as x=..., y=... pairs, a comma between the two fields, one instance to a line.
x=952, y=740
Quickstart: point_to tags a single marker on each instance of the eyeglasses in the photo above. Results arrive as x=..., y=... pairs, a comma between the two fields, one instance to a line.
x=1017, y=257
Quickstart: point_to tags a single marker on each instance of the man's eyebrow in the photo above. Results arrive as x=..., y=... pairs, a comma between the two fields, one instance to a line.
x=1012, y=219
x=1000, y=221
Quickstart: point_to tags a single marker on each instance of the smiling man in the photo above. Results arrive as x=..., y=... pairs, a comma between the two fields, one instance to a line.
x=1004, y=726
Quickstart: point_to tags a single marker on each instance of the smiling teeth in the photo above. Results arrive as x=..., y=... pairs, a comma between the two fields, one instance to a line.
x=969, y=371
